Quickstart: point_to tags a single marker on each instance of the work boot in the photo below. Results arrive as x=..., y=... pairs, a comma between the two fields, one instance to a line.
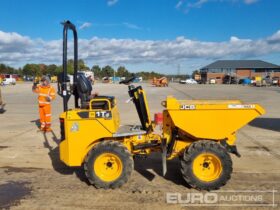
x=41, y=129
x=48, y=130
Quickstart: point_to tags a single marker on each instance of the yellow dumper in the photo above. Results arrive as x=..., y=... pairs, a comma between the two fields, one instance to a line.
x=200, y=132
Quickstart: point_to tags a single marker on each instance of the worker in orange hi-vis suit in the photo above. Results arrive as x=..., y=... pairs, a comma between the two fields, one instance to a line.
x=46, y=94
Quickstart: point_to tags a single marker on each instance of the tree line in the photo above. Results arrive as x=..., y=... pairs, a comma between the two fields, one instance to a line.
x=32, y=69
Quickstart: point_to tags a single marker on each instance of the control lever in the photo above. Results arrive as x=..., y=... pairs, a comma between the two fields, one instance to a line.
x=129, y=100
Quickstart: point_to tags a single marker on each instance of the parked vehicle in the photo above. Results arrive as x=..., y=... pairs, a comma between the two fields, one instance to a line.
x=138, y=79
x=53, y=79
x=28, y=78
x=212, y=81
x=188, y=81
x=9, y=81
x=245, y=81
x=229, y=80
x=182, y=81
x=267, y=81
x=256, y=81
x=275, y=81
x=115, y=79
x=191, y=81
x=106, y=80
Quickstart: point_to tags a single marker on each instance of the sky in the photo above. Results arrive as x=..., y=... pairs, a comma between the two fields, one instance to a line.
x=165, y=36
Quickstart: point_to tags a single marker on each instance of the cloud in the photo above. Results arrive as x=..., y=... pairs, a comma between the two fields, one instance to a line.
x=197, y=4
x=11, y=41
x=179, y=4
x=85, y=25
x=187, y=5
x=121, y=25
x=131, y=26
x=16, y=49
x=250, y=1
x=112, y=2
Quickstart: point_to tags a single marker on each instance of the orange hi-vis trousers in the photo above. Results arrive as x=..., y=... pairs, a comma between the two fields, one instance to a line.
x=45, y=116
x=45, y=92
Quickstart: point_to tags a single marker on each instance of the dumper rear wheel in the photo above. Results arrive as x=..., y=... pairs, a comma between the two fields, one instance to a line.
x=108, y=165
x=206, y=165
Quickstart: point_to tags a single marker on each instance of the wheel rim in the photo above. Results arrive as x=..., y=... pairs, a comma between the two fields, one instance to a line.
x=108, y=167
x=207, y=167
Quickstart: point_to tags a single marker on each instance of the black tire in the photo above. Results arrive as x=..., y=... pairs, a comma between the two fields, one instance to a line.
x=206, y=147
x=117, y=149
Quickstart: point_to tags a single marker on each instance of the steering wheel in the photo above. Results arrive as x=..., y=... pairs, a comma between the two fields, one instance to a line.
x=128, y=81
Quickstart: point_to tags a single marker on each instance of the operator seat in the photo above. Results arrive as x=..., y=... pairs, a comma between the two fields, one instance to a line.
x=84, y=89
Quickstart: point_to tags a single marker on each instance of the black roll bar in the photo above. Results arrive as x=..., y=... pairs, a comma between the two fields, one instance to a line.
x=65, y=94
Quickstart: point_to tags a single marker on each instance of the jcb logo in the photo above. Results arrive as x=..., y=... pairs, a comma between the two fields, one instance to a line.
x=191, y=106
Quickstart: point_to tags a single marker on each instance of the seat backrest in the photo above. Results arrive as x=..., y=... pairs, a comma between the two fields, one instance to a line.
x=84, y=89
x=141, y=104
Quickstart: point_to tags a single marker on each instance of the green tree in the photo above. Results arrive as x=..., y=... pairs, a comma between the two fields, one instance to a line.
x=26, y=70
x=36, y=70
x=31, y=70
x=70, y=66
x=51, y=69
x=82, y=66
x=123, y=72
x=149, y=75
x=58, y=70
x=96, y=70
x=107, y=71
x=43, y=69
x=4, y=69
x=20, y=72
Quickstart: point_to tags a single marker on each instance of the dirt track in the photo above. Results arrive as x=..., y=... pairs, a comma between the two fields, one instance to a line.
x=32, y=177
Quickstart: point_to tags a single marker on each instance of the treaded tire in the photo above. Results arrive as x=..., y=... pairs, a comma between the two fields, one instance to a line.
x=203, y=147
x=117, y=149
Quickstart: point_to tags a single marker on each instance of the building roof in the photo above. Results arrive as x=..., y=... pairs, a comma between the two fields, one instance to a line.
x=240, y=64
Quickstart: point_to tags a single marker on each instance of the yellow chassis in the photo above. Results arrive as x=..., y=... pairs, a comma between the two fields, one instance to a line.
x=193, y=120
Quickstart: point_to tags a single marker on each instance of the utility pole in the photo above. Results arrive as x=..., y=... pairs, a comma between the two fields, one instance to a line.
x=179, y=70
x=114, y=78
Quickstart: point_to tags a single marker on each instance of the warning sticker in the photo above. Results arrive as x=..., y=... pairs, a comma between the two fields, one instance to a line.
x=241, y=106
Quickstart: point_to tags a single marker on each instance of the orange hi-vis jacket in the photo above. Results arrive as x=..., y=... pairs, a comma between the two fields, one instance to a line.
x=43, y=92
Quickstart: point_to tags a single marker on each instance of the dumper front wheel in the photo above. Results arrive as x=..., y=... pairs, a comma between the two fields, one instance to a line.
x=108, y=165
x=206, y=165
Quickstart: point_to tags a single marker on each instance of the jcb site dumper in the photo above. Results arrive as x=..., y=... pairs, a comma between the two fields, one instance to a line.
x=201, y=133
x=161, y=82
